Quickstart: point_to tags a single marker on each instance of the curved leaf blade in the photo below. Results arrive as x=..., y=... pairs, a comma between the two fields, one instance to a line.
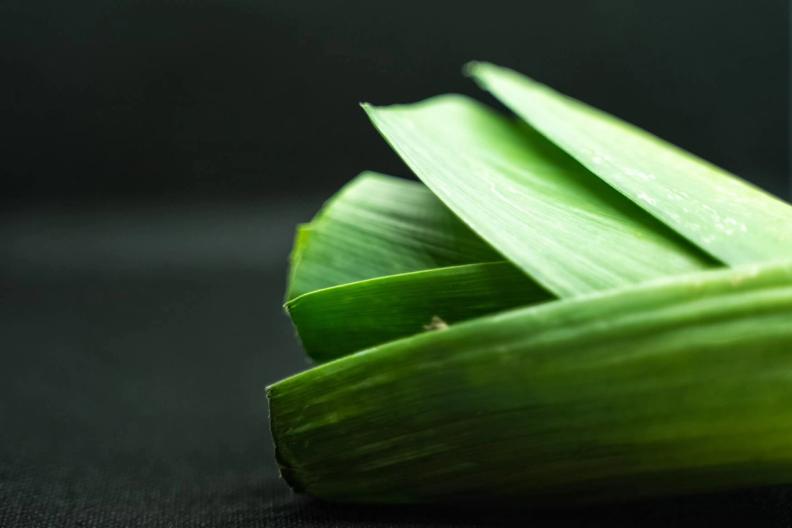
x=343, y=319
x=730, y=219
x=537, y=206
x=380, y=225
x=674, y=386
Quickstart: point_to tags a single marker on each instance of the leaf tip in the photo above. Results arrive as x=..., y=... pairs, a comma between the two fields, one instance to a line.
x=471, y=67
x=486, y=74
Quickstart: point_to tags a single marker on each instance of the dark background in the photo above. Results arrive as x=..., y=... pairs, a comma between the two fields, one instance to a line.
x=176, y=100
x=155, y=157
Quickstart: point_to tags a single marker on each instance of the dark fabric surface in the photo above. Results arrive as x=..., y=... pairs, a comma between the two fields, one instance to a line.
x=135, y=351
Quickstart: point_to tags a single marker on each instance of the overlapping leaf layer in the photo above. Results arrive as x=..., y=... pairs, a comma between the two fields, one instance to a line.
x=568, y=308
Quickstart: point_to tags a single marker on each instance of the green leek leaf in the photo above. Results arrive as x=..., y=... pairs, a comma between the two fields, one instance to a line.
x=541, y=209
x=343, y=319
x=352, y=281
x=727, y=217
x=652, y=374
x=379, y=225
x=681, y=384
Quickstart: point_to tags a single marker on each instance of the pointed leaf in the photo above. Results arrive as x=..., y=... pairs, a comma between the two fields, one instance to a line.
x=730, y=219
x=538, y=207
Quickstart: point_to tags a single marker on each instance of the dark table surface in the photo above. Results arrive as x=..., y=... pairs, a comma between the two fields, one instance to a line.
x=136, y=346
